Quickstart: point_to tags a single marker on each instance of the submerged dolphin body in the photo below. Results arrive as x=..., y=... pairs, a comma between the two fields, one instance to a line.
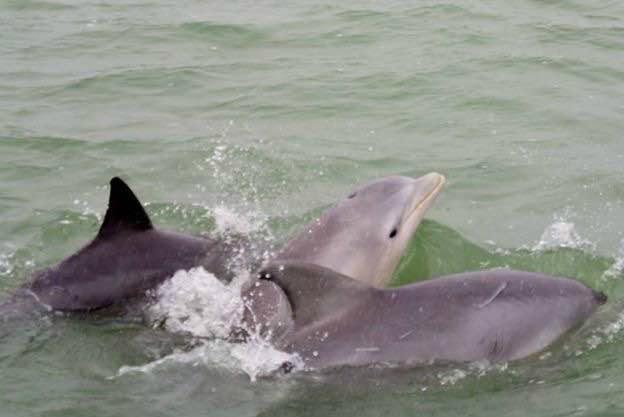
x=365, y=235
x=496, y=315
x=127, y=257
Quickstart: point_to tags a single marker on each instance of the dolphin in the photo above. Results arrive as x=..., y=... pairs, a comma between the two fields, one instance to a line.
x=127, y=257
x=365, y=235
x=496, y=315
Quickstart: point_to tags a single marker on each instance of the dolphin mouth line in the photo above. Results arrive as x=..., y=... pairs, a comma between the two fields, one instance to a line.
x=430, y=196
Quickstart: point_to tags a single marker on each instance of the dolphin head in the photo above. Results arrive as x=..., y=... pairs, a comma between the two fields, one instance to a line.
x=366, y=233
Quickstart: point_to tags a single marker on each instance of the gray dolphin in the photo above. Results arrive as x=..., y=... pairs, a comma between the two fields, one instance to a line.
x=495, y=315
x=127, y=257
x=364, y=235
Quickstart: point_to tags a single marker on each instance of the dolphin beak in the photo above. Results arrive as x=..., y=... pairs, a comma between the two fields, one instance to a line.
x=425, y=191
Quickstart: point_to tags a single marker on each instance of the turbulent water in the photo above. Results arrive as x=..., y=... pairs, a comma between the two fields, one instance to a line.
x=253, y=117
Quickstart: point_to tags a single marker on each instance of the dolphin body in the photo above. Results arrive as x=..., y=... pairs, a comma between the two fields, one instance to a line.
x=127, y=257
x=496, y=315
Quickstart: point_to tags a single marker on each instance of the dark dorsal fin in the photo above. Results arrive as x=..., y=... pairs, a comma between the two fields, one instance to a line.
x=316, y=292
x=124, y=213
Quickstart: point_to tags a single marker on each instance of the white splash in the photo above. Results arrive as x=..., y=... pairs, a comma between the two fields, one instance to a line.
x=6, y=267
x=452, y=377
x=246, y=218
x=477, y=368
x=228, y=221
x=256, y=359
x=231, y=224
x=197, y=303
x=561, y=234
x=606, y=333
x=617, y=267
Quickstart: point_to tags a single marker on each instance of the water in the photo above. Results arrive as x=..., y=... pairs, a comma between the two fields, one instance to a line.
x=257, y=115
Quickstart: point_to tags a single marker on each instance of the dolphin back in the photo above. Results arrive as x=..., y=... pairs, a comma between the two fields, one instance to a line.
x=127, y=257
x=496, y=315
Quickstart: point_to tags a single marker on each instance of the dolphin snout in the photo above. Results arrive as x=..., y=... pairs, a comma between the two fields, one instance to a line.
x=425, y=190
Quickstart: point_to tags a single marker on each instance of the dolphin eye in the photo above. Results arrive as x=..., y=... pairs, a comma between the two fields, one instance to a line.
x=352, y=195
x=393, y=233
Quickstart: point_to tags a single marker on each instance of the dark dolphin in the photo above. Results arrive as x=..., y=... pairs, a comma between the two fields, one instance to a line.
x=127, y=257
x=495, y=315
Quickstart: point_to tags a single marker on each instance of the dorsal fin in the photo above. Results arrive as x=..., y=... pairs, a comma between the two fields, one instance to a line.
x=315, y=292
x=124, y=213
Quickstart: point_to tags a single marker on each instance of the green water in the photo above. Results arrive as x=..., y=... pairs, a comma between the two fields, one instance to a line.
x=274, y=110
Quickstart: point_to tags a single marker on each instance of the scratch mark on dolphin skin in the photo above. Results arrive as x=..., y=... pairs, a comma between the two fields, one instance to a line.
x=367, y=349
x=36, y=297
x=404, y=335
x=493, y=296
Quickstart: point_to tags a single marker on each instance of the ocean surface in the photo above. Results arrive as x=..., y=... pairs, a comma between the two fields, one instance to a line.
x=254, y=116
